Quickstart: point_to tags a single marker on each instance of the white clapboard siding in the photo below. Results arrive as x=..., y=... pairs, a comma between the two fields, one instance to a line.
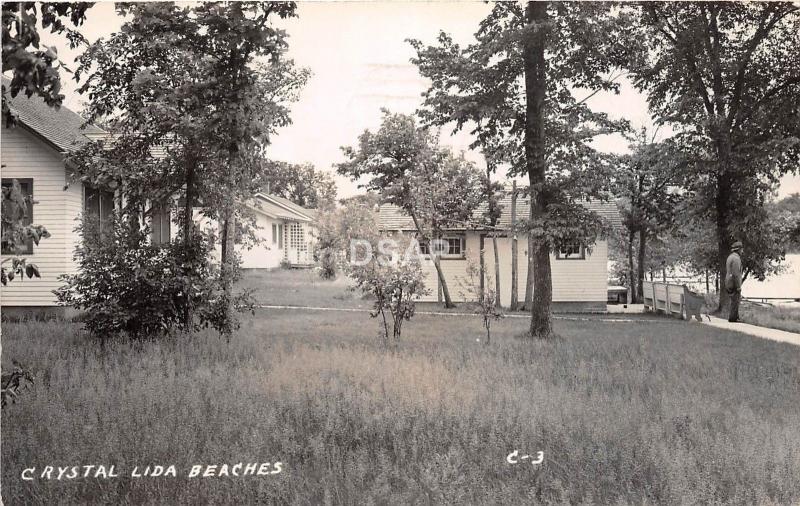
x=573, y=280
x=264, y=254
x=25, y=156
x=455, y=271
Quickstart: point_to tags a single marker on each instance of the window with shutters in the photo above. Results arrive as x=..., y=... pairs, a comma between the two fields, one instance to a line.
x=161, y=223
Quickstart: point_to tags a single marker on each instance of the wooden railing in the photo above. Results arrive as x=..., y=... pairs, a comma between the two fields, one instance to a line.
x=669, y=298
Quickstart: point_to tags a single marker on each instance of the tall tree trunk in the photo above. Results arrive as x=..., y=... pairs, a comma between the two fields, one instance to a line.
x=482, y=260
x=188, y=233
x=723, y=205
x=227, y=265
x=641, y=261
x=496, y=271
x=448, y=302
x=632, y=281
x=529, y=276
x=514, y=249
x=535, y=89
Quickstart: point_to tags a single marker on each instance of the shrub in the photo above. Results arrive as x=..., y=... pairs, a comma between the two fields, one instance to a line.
x=336, y=228
x=16, y=232
x=395, y=284
x=127, y=285
x=13, y=382
x=485, y=298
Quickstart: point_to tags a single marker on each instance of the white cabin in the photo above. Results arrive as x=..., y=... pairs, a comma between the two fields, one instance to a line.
x=33, y=150
x=580, y=275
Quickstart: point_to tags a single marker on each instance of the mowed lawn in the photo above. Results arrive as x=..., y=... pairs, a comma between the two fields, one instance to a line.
x=659, y=411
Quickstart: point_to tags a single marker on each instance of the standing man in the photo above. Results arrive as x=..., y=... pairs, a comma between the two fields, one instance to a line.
x=733, y=280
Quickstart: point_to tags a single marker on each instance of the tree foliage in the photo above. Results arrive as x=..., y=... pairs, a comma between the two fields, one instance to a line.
x=35, y=66
x=16, y=232
x=191, y=95
x=406, y=165
x=395, y=282
x=788, y=209
x=516, y=88
x=726, y=78
x=127, y=285
x=338, y=227
x=647, y=181
x=301, y=183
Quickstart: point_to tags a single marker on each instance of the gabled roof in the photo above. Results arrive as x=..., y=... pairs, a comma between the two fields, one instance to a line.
x=278, y=207
x=59, y=127
x=308, y=213
x=392, y=217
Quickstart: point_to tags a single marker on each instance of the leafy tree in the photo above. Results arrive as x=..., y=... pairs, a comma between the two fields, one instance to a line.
x=369, y=200
x=788, y=209
x=338, y=227
x=34, y=65
x=646, y=180
x=192, y=95
x=486, y=298
x=492, y=193
x=16, y=233
x=301, y=183
x=765, y=235
x=726, y=78
x=516, y=86
x=790, y=203
x=409, y=169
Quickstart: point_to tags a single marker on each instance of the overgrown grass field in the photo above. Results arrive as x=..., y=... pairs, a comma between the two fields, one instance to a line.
x=658, y=411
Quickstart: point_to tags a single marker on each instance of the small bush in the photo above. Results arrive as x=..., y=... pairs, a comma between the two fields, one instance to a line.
x=395, y=284
x=14, y=382
x=127, y=285
x=486, y=299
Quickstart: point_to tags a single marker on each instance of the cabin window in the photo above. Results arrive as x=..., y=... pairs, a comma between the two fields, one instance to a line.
x=98, y=204
x=160, y=224
x=447, y=247
x=277, y=235
x=11, y=212
x=571, y=251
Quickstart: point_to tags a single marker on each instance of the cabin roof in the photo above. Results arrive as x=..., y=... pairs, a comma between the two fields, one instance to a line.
x=60, y=127
x=279, y=207
x=392, y=217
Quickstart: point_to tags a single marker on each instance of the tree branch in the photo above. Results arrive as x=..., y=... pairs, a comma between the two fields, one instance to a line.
x=761, y=33
x=769, y=94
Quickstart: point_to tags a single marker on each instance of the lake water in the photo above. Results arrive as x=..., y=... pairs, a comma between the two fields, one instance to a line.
x=786, y=284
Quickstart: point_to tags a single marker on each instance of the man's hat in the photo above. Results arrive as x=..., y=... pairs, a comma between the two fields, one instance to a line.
x=736, y=246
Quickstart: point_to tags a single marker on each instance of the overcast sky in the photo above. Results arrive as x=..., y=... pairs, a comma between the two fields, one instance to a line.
x=359, y=59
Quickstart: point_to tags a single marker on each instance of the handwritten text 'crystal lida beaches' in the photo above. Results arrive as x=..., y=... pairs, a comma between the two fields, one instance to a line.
x=152, y=471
